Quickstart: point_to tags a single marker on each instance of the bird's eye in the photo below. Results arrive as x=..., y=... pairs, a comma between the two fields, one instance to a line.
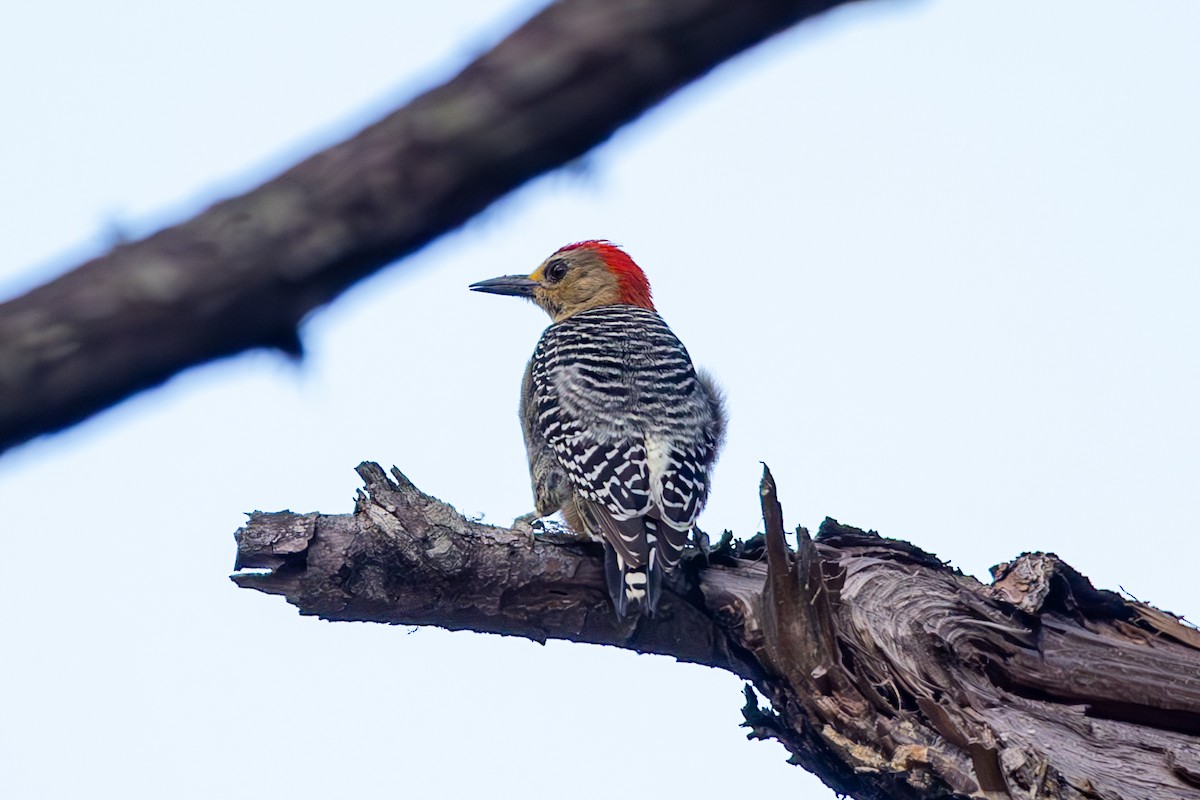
x=556, y=270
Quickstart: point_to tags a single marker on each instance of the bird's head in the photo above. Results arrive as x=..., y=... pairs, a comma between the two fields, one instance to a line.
x=578, y=277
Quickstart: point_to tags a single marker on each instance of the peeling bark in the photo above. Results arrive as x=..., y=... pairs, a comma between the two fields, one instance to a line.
x=888, y=673
x=242, y=274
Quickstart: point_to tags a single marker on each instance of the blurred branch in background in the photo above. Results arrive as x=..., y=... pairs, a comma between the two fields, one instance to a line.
x=890, y=675
x=242, y=274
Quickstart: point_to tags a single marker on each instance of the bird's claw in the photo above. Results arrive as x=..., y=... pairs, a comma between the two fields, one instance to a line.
x=529, y=524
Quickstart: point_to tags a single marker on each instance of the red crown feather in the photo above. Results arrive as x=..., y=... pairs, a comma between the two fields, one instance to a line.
x=635, y=289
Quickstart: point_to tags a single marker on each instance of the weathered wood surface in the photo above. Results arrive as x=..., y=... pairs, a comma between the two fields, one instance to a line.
x=244, y=273
x=889, y=674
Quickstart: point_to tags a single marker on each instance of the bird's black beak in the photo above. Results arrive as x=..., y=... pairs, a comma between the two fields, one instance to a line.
x=517, y=285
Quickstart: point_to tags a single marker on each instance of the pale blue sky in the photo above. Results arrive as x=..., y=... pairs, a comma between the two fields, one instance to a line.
x=943, y=256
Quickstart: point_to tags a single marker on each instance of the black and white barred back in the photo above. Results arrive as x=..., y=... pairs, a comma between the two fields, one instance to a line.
x=636, y=432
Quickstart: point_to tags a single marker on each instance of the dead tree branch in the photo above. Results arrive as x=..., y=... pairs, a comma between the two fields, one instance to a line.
x=889, y=674
x=242, y=274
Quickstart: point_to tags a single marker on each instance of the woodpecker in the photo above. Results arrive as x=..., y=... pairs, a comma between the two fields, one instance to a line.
x=621, y=430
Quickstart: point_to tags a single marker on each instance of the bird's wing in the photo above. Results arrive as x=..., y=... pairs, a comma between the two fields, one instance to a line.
x=612, y=477
x=679, y=490
x=681, y=483
x=585, y=407
x=612, y=486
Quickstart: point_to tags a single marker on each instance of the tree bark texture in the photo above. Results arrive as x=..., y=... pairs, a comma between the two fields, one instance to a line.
x=888, y=673
x=242, y=274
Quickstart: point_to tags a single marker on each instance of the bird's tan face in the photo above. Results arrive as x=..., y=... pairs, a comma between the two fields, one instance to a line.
x=564, y=284
x=575, y=281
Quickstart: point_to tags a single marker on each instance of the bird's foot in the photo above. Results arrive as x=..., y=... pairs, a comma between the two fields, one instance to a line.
x=529, y=524
x=547, y=528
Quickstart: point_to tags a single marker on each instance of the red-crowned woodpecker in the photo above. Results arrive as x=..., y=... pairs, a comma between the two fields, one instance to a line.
x=620, y=429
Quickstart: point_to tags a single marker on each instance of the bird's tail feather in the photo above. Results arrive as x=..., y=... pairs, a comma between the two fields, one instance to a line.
x=639, y=552
x=627, y=586
x=628, y=558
